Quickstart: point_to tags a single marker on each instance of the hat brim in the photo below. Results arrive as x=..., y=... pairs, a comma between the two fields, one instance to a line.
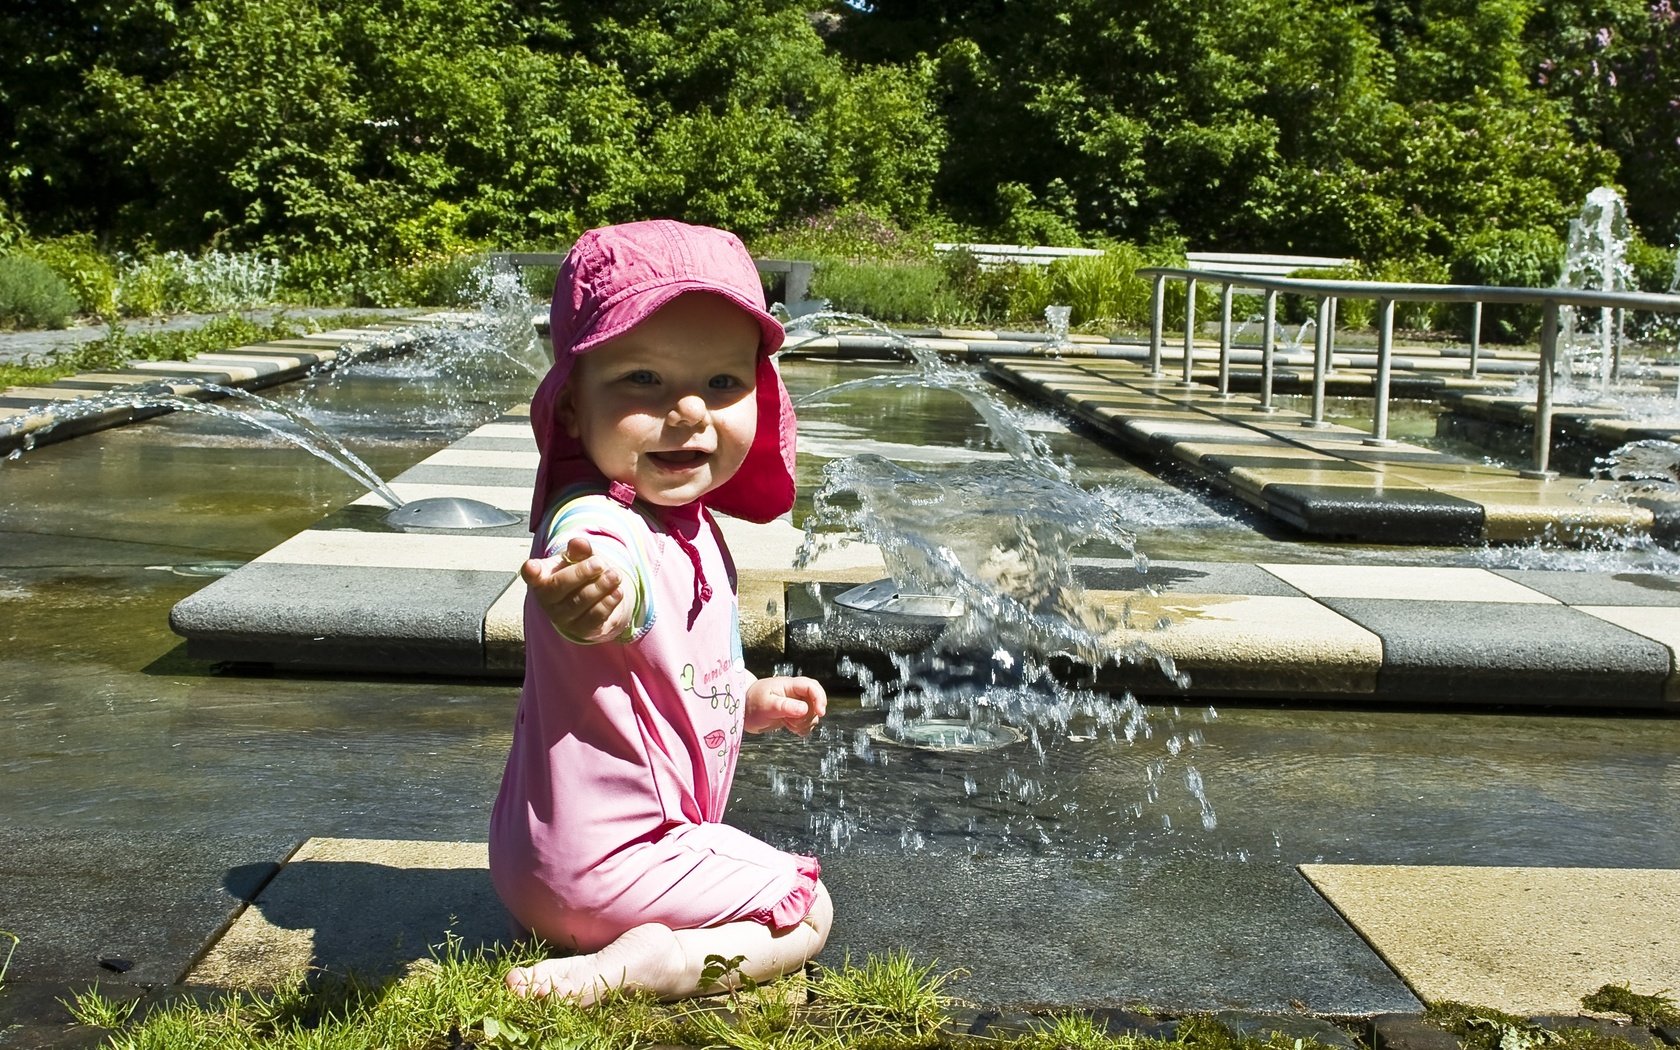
x=629, y=309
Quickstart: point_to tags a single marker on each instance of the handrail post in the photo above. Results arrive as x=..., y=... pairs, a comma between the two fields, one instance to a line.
x=1321, y=360
x=1189, y=328
x=1268, y=343
x=1225, y=340
x=1543, y=393
x=1475, y=338
x=1157, y=317
x=1385, y=354
x=1616, y=342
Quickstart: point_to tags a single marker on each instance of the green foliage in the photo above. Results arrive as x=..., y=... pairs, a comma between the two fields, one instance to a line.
x=889, y=993
x=1647, y=1010
x=91, y=275
x=1479, y=1028
x=853, y=231
x=174, y=282
x=400, y=134
x=32, y=295
x=1521, y=258
x=437, y=281
x=1655, y=269
x=888, y=291
x=1614, y=64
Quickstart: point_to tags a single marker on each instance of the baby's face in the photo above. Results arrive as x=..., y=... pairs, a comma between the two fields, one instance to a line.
x=669, y=407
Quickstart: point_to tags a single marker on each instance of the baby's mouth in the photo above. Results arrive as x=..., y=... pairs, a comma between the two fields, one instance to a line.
x=683, y=457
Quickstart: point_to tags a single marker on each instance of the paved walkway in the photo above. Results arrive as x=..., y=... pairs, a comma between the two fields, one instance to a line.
x=21, y=347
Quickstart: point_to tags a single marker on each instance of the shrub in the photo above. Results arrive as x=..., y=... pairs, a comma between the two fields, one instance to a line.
x=888, y=291
x=450, y=281
x=1654, y=269
x=91, y=275
x=855, y=232
x=1531, y=258
x=32, y=295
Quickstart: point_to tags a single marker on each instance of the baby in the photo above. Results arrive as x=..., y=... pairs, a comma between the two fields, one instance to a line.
x=663, y=405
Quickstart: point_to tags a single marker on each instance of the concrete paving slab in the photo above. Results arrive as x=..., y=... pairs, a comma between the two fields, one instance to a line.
x=1419, y=583
x=1523, y=940
x=1261, y=937
x=357, y=616
x=145, y=904
x=1493, y=652
x=514, y=498
x=1661, y=624
x=461, y=454
x=402, y=550
x=1175, y=934
x=1254, y=645
x=1387, y=516
x=1191, y=577
x=1596, y=588
x=369, y=907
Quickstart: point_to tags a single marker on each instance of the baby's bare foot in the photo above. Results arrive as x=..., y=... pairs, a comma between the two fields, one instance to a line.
x=646, y=958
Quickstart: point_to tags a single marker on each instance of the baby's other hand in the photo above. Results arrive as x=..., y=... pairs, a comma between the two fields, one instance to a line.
x=782, y=702
x=583, y=597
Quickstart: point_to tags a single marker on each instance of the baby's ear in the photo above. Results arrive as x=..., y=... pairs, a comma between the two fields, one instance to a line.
x=565, y=413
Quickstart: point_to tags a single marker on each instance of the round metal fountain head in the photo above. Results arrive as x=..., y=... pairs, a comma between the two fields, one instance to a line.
x=882, y=600
x=449, y=512
x=947, y=734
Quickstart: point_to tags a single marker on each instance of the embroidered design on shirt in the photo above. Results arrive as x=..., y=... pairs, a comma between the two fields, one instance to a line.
x=724, y=698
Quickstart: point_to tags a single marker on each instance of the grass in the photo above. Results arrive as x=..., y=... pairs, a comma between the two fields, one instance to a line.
x=1479, y=1028
x=458, y=999
x=121, y=347
x=1648, y=1010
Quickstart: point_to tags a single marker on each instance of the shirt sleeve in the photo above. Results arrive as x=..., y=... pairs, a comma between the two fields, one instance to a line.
x=617, y=536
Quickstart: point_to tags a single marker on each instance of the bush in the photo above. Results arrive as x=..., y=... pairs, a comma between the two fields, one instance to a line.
x=32, y=295
x=887, y=291
x=91, y=275
x=1530, y=258
x=451, y=281
x=854, y=232
x=175, y=282
x=1654, y=269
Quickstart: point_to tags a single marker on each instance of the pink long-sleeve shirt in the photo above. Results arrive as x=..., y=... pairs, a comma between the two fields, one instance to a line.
x=610, y=809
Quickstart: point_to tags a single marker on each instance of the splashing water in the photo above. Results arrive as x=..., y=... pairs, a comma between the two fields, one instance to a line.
x=499, y=332
x=303, y=432
x=999, y=536
x=1596, y=258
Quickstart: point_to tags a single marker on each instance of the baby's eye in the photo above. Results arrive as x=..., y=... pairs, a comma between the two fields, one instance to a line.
x=725, y=382
x=641, y=377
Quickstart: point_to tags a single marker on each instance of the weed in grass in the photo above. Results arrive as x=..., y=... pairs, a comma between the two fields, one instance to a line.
x=99, y=1011
x=1479, y=1028
x=887, y=994
x=1648, y=1010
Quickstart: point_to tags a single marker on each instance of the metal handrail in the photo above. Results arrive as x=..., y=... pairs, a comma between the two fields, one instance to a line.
x=1386, y=294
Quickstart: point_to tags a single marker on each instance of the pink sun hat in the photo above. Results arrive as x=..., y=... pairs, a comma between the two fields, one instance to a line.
x=616, y=277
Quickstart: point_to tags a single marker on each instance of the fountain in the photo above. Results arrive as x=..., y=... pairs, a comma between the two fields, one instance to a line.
x=988, y=638
x=500, y=331
x=1595, y=257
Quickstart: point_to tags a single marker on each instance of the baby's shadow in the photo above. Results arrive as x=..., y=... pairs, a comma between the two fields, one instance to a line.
x=346, y=917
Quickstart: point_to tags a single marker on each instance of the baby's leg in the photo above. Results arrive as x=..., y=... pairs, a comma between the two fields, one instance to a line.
x=655, y=958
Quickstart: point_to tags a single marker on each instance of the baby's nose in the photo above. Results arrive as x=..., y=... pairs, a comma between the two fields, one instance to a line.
x=689, y=410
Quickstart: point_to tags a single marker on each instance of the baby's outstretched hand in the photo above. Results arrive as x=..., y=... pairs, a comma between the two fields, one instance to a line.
x=794, y=704
x=583, y=597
